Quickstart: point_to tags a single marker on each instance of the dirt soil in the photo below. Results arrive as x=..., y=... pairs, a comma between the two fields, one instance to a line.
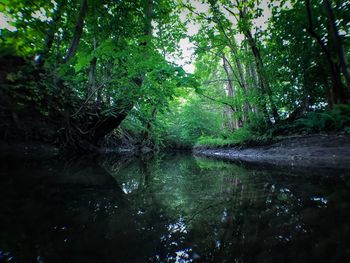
x=322, y=151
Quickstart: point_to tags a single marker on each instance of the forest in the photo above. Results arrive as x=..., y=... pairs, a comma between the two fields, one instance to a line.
x=174, y=131
x=86, y=74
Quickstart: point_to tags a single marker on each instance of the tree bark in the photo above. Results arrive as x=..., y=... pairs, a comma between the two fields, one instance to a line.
x=230, y=90
x=91, y=89
x=327, y=89
x=78, y=31
x=338, y=93
x=148, y=10
x=234, y=123
x=145, y=136
x=239, y=67
x=338, y=44
x=262, y=78
x=264, y=84
x=231, y=44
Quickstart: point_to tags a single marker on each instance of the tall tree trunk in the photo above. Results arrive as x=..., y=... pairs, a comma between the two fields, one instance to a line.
x=78, y=31
x=99, y=96
x=338, y=91
x=327, y=89
x=262, y=104
x=263, y=82
x=234, y=122
x=253, y=82
x=339, y=47
x=91, y=88
x=148, y=10
x=239, y=67
x=231, y=44
x=338, y=94
x=230, y=89
x=262, y=78
x=92, y=80
x=146, y=133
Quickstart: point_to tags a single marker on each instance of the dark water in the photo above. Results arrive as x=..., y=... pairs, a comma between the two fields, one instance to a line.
x=170, y=208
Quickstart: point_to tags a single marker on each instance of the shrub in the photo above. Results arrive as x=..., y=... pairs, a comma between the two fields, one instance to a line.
x=336, y=119
x=239, y=136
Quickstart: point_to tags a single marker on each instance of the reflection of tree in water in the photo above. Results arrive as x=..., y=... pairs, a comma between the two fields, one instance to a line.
x=146, y=184
x=58, y=211
x=167, y=209
x=218, y=212
x=270, y=219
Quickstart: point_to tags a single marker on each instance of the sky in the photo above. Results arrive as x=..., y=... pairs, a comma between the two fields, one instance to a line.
x=4, y=23
x=188, y=48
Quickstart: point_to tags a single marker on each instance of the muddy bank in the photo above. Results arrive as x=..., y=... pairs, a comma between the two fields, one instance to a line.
x=323, y=151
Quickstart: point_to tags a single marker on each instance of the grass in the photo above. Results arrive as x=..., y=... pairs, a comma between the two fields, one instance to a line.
x=238, y=137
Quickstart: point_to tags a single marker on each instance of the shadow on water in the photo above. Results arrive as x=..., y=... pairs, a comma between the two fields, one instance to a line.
x=170, y=208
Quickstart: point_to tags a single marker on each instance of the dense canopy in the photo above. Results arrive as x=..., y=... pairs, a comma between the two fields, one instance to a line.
x=75, y=71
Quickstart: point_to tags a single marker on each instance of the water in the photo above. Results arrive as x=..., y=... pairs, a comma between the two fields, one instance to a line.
x=170, y=208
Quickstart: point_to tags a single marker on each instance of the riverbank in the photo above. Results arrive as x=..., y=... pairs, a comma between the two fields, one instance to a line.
x=323, y=151
x=41, y=151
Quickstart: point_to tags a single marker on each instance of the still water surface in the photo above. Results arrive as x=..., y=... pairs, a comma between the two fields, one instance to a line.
x=170, y=208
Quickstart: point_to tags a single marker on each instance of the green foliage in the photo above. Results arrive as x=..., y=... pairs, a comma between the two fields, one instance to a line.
x=237, y=137
x=186, y=122
x=121, y=66
x=336, y=119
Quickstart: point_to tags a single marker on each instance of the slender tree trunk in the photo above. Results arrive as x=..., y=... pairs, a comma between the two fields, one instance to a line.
x=262, y=78
x=338, y=94
x=233, y=122
x=92, y=79
x=78, y=31
x=230, y=89
x=231, y=44
x=327, y=89
x=338, y=44
x=57, y=60
x=264, y=84
x=148, y=30
x=148, y=10
x=338, y=91
x=91, y=88
x=239, y=67
x=99, y=96
x=146, y=133
x=262, y=104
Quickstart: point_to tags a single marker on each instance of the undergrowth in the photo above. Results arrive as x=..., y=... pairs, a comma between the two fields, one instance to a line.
x=336, y=119
x=239, y=136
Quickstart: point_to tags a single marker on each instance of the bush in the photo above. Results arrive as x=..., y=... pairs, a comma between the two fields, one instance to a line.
x=336, y=119
x=239, y=136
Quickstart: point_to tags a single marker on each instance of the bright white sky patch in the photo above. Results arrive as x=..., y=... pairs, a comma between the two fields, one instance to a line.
x=5, y=23
x=187, y=62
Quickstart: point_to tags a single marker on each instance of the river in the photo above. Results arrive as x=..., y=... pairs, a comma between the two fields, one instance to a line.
x=172, y=207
